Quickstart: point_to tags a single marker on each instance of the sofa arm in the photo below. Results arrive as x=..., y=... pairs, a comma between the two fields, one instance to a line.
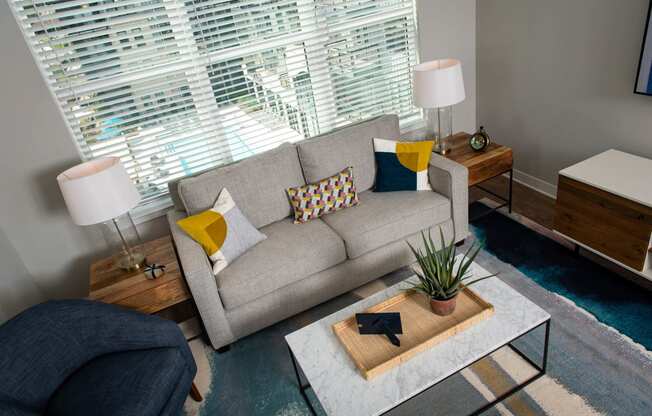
x=451, y=179
x=201, y=281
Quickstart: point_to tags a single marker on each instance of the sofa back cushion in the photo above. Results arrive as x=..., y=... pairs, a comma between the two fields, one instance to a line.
x=257, y=185
x=329, y=153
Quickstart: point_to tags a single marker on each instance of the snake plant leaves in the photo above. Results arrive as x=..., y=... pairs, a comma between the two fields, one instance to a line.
x=438, y=277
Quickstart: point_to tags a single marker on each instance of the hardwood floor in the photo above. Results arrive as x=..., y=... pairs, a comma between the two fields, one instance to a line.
x=540, y=208
x=536, y=206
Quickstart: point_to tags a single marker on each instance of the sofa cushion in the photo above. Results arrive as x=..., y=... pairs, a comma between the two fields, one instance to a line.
x=385, y=217
x=352, y=145
x=290, y=253
x=257, y=185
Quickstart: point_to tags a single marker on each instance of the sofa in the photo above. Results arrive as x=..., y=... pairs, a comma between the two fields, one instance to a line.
x=82, y=357
x=301, y=265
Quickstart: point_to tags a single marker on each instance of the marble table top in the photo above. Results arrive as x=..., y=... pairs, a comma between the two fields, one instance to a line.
x=341, y=389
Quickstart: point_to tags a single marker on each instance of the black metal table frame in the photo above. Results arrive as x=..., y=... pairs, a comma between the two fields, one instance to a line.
x=508, y=200
x=540, y=367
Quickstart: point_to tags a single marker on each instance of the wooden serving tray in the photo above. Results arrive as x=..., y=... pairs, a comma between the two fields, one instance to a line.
x=422, y=329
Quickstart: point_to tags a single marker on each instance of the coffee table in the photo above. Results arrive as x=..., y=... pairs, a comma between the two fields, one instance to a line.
x=342, y=391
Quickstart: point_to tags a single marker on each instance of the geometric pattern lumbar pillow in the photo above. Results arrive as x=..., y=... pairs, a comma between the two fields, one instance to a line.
x=402, y=166
x=320, y=198
x=223, y=231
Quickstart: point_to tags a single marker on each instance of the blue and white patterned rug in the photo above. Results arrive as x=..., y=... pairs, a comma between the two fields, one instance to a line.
x=593, y=368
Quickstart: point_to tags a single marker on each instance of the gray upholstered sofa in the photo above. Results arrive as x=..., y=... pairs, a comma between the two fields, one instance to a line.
x=301, y=265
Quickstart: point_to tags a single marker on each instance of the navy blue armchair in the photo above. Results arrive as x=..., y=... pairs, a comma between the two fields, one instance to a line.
x=80, y=357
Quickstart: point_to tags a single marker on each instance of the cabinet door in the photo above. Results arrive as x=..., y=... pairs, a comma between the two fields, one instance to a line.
x=612, y=225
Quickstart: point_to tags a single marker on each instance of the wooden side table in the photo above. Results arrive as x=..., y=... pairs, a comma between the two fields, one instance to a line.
x=494, y=161
x=133, y=290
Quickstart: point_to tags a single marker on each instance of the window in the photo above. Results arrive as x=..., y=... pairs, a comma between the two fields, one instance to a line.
x=176, y=87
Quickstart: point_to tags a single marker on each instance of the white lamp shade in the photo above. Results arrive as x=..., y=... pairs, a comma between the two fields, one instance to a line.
x=98, y=191
x=438, y=83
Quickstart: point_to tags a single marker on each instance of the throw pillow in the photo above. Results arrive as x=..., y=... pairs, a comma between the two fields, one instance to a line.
x=223, y=231
x=320, y=198
x=402, y=166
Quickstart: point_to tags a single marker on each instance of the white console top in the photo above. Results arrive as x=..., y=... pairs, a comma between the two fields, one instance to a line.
x=616, y=172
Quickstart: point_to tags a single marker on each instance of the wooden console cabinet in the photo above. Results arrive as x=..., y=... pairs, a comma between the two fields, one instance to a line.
x=604, y=204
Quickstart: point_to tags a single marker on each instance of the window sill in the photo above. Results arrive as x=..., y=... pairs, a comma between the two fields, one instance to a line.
x=151, y=210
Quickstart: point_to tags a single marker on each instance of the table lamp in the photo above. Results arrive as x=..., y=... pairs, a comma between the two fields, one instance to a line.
x=438, y=85
x=99, y=191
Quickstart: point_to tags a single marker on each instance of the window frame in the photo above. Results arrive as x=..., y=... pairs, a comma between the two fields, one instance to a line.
x=158, y=206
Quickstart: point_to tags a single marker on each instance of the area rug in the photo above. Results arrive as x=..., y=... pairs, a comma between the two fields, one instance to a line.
x=593, y=368
x=615, y=301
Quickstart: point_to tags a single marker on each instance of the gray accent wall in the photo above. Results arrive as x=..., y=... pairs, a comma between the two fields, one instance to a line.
x=43, y=255
x=556, y=80
x=17, y=286
x=36, y=146
x=447, y=30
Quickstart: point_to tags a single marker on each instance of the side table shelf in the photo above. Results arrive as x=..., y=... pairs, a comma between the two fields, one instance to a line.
x=494, y=161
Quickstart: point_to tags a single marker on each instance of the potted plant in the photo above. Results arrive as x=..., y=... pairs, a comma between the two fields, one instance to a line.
x=441, y=278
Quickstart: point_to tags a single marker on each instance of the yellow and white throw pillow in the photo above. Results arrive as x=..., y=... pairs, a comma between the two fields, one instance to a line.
x=223, y=231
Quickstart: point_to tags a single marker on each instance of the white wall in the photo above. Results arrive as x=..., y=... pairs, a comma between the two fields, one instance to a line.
x=42, y=253
x=447, y=30
x=556, y=80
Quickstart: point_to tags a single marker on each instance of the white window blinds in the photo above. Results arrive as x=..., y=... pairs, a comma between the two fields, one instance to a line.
x=176, y=87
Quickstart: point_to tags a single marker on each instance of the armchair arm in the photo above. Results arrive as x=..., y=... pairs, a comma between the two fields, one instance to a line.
x=201, y=281
x=42, y=346
x=451, y=179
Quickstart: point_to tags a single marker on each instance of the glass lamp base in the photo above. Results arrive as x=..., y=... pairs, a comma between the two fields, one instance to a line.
x=122, y=235
x=439, y=123
x=130, y=262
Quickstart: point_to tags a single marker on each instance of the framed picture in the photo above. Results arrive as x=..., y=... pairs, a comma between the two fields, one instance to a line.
x=644, y=77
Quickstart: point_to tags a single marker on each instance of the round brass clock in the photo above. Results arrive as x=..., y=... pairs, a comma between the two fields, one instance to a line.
x=480, y=140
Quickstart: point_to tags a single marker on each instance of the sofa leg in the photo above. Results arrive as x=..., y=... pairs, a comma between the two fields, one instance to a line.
x=460, y=243
x=195, y=394
x=224, y=349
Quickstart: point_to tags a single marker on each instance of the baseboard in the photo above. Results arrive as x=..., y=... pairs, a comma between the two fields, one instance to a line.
x=535, y=183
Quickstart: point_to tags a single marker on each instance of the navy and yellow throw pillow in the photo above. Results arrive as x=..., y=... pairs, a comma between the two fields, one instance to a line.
x=402, y=166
